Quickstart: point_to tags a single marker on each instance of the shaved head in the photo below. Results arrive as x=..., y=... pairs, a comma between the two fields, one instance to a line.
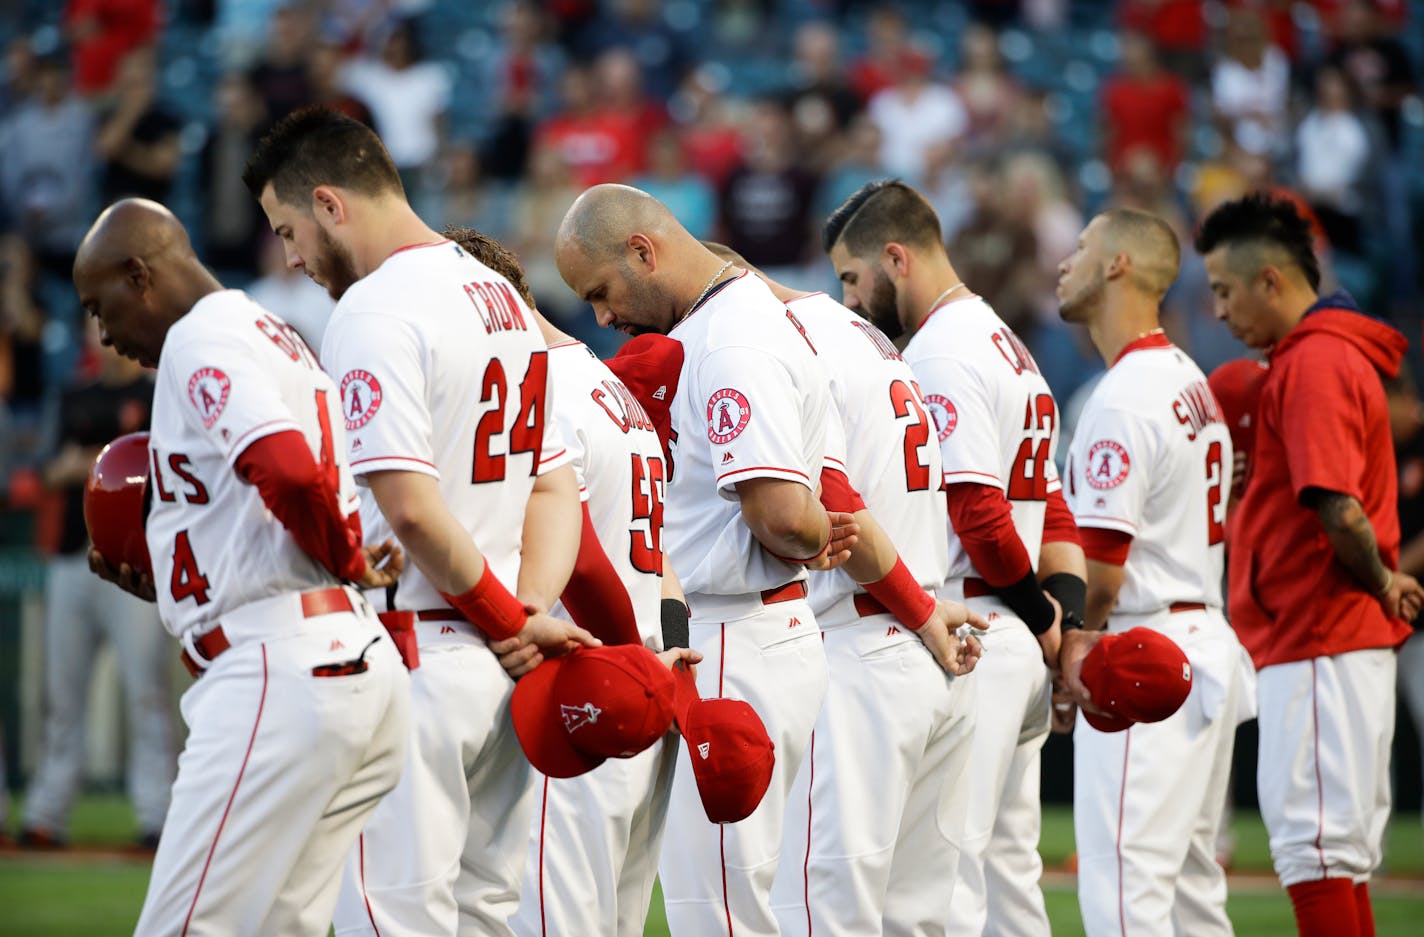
x=1149, y=242
x=137, y=274
x=602, y=218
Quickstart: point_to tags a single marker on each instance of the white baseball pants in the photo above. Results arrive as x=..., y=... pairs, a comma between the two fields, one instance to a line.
x=878, y=808
x=1323, y=775
x=280, y=771
x=1148, y=801
x=593, y=852
x=444, y=852
x=717, y=879
x=998, y=891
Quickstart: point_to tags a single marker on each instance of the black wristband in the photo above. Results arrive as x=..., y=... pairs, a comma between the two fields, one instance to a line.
x=1027, y=600
x=675, y=617
x=1071, y=593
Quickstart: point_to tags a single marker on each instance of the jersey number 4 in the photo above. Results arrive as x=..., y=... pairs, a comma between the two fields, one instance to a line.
x=527, y=433
x=917, y=434
x=1029, y=479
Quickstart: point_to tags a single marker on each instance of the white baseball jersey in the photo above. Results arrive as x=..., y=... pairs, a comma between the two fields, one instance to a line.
x=230, y=374
x=1151, y=457
x=752, y=402
x=894, y=463
x=622, y=478
x=995, y=416
x=443, y=371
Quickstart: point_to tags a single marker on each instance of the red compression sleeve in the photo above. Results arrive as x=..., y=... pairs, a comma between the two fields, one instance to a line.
x=1058, y=524
x=302, y=495
x=902, y=596
x=985, y=525
x=1106, y=546
x=595, y=597
x=837, y=493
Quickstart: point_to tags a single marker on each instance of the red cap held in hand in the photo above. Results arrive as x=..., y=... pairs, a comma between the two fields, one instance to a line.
x=731, y=754
x=1139, y=675
x=574, y=712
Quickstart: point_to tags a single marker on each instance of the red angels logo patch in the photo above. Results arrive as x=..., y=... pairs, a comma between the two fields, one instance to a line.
x=576, y=717
x=942, y=411
x=360, y=398
x=728, y=412
x=208, y=388
x=1108, y=465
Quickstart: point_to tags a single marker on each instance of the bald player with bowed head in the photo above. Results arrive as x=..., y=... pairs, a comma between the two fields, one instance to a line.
x=750, y=432
x=594, y=842
x=443, y=379
x=892, y=744
x=298, y=721
x=1148, y=479
x=1011, y=537
x=1315, y=591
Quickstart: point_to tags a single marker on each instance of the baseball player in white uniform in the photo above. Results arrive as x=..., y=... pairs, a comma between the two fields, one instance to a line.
x=893, y=740
x=749, y=426
x=996, y=422
x=593, y=852
x=298, y=721
x=444, y=393
x=1148, y=479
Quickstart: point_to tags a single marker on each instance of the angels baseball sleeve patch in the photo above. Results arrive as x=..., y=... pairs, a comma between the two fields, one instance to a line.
x=728, y=412
x=1108, y=465
x=208, y=389
x=942, y=411
x=360, y=398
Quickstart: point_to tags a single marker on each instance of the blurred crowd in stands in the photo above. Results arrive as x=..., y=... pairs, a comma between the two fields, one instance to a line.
x=751, y=119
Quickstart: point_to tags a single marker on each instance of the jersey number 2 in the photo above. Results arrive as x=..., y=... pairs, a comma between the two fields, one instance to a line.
x=1029, y=479
x=917, y=434
x=1216, y=481
x=527, y=433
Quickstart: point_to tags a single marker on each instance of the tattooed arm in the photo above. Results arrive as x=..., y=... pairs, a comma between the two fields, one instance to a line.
x=1352, y=536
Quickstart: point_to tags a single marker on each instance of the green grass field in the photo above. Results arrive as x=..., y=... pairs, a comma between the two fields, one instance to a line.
x=98, y=894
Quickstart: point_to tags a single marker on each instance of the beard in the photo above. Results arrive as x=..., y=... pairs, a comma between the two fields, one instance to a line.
x=336, y=270
x=881, y=307
x=645, y=300
x=1079, y=306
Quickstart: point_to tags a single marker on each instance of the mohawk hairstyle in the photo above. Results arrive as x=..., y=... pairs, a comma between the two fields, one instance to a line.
x=494, y=255
x=879, y=212
x=1261, y=220
x=317, y=146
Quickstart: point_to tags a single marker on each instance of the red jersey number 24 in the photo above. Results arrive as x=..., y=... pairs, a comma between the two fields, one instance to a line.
x=527, y=433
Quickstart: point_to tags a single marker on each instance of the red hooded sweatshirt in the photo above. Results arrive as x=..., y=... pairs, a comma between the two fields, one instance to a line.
x=1321, y=423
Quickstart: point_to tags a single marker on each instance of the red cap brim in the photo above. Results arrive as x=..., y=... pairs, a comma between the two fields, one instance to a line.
x=540, y=731
x=1106, y=723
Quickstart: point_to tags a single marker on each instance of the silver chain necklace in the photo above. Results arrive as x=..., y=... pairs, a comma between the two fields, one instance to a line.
x=705, y=290
x=938, y=299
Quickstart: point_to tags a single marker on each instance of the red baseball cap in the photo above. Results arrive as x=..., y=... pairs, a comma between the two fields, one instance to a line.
x=1139, y=675
x=574, y=712
x=649, y=365
x=1237, y=388
x=731, y=754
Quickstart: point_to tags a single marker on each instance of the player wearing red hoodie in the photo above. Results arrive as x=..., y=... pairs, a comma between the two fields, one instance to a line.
x=1315, y=595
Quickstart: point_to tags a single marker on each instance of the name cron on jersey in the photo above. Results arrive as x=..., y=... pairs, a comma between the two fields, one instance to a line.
x=1196, y=408
x=626, y=413
x=498, y=308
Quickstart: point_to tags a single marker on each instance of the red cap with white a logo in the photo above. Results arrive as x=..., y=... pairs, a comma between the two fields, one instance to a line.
x=574, y=712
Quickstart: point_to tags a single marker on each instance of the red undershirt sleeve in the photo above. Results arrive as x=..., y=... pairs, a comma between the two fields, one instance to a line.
x=1103, y=545
x=837, y=493
x=303, y=496
x=1058, y=524
x=595, y=597
x=985, y=525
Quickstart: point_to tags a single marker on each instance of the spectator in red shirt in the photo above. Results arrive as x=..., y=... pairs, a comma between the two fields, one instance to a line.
x=890, y=52
x=600, y=132
x=101, y=33
x=1315, y=591
x=1144, y=107
x=1176, y=27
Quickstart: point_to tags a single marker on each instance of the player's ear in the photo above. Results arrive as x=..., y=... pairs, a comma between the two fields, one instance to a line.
x=326, y=203
x=1118, y=265
x=643, y=248
x=895, y=259
x=138, y=274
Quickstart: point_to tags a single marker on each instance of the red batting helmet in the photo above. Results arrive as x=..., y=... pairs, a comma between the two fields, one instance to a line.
x=113, y=502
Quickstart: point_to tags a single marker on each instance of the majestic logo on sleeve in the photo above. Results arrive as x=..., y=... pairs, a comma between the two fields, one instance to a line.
x=360, y=398
x=942, y=411
x=208, y=388
x=1107, y=465
x=727, y=415
x=576, y=717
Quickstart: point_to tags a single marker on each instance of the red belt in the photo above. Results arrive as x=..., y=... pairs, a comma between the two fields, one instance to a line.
x=214, y=643
x=787, y=593
x=1176, y=607
x=976, y=588
x=439, y=614
x=867, y=605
